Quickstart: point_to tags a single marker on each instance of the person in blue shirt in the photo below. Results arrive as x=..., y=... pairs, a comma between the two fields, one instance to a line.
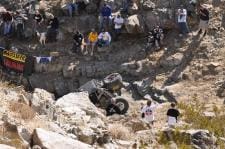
x=105, y=16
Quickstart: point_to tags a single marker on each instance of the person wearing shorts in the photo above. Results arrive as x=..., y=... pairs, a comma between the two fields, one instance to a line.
x=204, y=20
x=92, y=40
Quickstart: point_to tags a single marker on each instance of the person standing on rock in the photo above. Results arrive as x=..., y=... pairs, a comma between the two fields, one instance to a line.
x=118, y=21
x=172, y=115
x=204, y=20
x=182, y=21
x=105, y=16
x=148, y=113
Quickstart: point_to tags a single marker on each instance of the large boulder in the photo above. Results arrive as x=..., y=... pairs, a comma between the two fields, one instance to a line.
x=202, y=138
x=162, y=17
x=173, y=60
x=42, y=101
x=49, y=140
x=198, y=138
x=148, y=5
x=78, y=104
x=134, y=24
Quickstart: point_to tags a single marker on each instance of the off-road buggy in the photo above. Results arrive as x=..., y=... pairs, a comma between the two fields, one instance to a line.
x=104, y=93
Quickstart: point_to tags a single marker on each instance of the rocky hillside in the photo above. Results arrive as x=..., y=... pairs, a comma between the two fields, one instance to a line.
x=44, y=110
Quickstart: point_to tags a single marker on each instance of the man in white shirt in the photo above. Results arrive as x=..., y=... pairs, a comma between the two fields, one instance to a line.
x=182, y=21
x=148, y=112
x=118, y=21
x=104, y=39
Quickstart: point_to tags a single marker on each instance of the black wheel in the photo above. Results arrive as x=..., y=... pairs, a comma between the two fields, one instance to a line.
x=113, y=82
x=122, y=104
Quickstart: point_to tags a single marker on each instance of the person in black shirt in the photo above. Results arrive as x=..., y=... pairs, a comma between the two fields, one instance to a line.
x=204, y=19
x=172, y=115
x=37, y=20
x=54, y=23
x=77, y=41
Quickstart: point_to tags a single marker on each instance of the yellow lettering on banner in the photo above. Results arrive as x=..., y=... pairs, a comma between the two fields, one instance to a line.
x=14, y=56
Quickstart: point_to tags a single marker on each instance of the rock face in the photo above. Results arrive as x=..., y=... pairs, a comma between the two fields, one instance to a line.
x=83, y=119
x=173, y=60
x=202, y=138
x=198, y=138
x=79, y=104
x=42, y=101
x=50, y=140
x=134, y=24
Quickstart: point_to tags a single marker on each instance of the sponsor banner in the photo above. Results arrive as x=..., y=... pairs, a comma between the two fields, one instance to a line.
x=14, y=56
x=13, y=65
x=14, y=60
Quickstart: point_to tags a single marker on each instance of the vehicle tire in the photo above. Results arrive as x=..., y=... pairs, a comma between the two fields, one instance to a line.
x=122, y=104
x=113, y=82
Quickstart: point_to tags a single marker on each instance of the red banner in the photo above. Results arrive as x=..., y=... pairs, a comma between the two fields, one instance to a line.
x=14, y=65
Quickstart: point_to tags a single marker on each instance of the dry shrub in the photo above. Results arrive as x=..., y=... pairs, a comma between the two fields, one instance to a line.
x=23, y=110
x=119, y=131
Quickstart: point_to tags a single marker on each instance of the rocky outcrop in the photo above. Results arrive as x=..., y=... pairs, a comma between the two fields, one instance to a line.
x=42, y=101
x=50, y=140
x=198, y=138
x=134, y=24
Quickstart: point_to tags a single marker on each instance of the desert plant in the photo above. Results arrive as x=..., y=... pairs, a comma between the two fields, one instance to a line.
x=193, y=114
x=119, y=131
x=22, y=110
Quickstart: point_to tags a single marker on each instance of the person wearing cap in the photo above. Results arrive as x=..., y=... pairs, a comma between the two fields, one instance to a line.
x=118, y=21
x=204, y=19
x=104, y=38
x=92, y=40
x=172, y=115
x=182, y=21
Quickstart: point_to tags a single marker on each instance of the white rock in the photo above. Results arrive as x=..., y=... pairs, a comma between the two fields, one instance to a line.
x=78, y=104
x=51, y=140
x=3, y=146
x=42, y=101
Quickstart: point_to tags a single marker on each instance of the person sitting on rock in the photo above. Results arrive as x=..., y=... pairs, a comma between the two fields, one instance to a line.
x=104, y=39
x=78, y=39
x=92, y=40
x=158, y=36
x=105, y=16
x=172, y=115
x=118, y=21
